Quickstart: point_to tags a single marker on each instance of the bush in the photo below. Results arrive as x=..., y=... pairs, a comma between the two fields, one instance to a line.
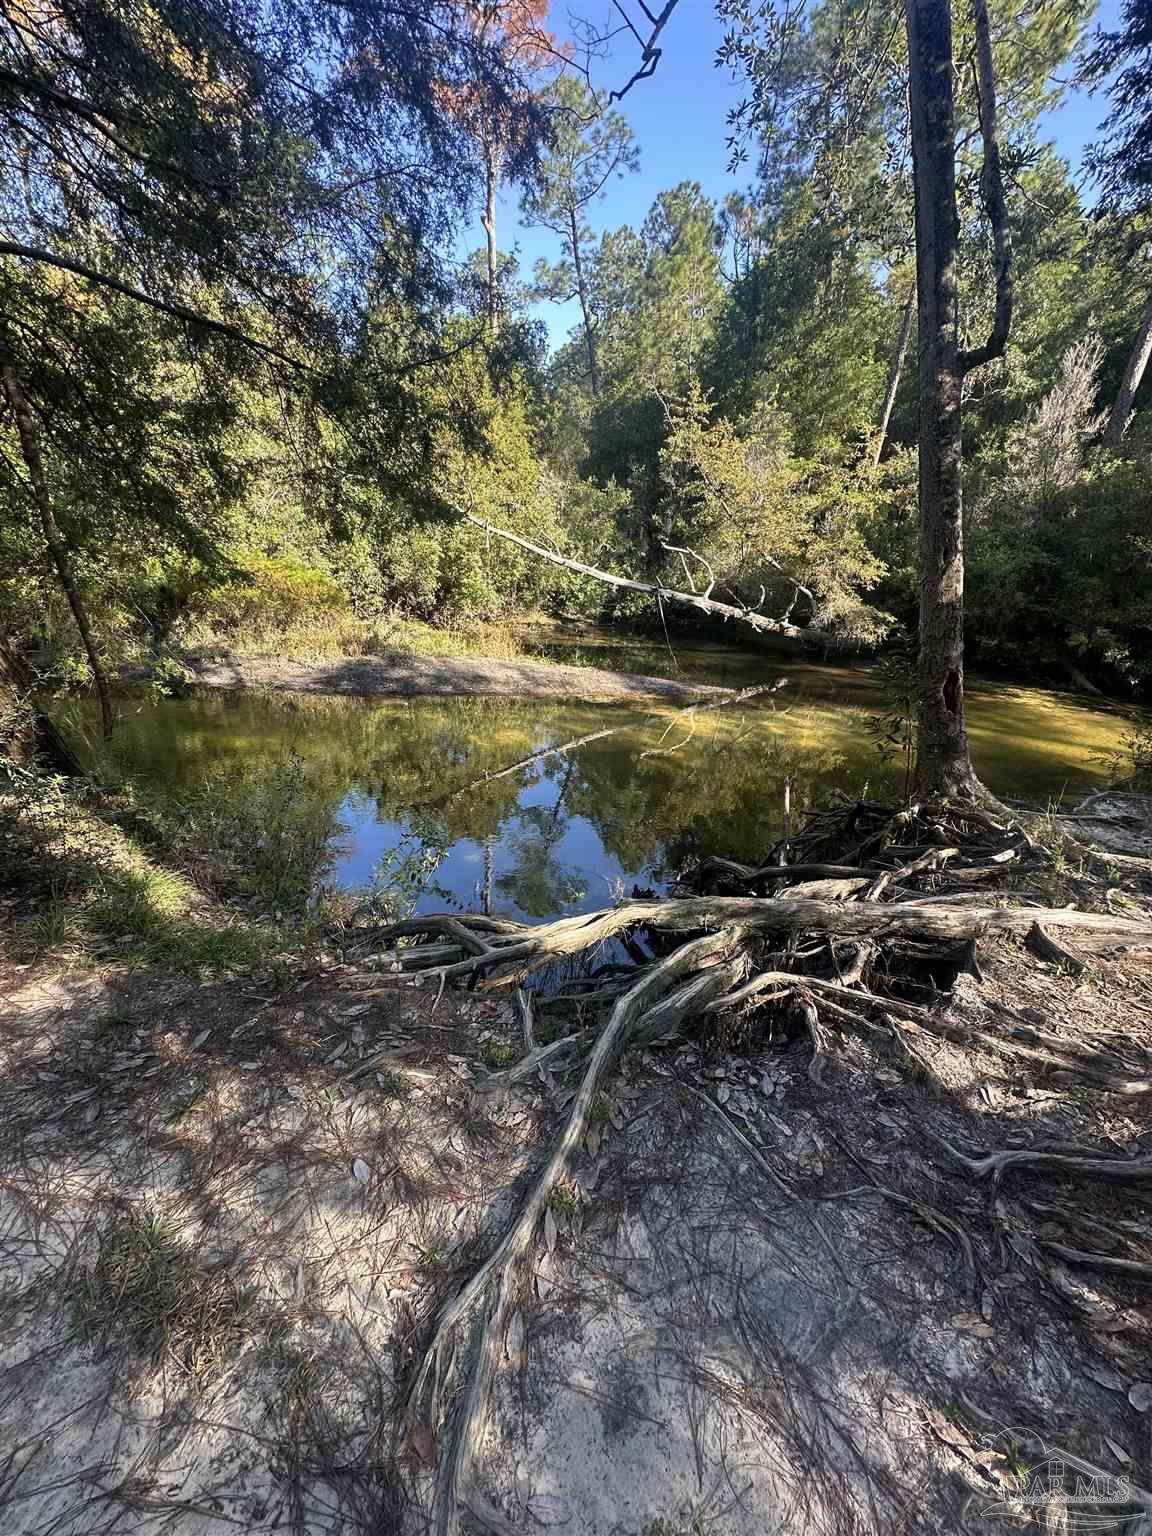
x=279, y=594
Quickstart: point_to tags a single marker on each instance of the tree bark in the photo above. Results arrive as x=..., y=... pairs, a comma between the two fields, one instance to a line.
x=895, y=369
x=943, y=765
x=30, y=448
x=582, y=292
x=1121, y=412
x=491, y=186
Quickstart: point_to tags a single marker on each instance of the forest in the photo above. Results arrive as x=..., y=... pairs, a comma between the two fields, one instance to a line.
x=575, y=792
x=255, y=383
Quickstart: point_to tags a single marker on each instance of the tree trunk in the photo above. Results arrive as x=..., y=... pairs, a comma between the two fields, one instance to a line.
x=582, y=291
x=895, y=369
x=943, y=765
x=30, y=447
x=491, y=186
x=1121, y=412
x=30, y=735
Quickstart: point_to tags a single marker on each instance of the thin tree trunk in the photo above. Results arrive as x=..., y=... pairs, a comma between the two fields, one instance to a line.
x=895, y=369
x=1121, y=412
x=30, y=733
x=943, y=765
x=582, y=292
x=30, y=447
x=491, y=186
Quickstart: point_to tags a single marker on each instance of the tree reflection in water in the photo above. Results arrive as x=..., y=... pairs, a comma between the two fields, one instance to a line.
x=406, y=793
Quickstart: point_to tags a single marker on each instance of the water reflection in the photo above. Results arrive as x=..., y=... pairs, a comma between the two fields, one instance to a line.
x=414, y=796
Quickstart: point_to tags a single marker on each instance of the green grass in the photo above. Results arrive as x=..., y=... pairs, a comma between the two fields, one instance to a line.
x=497, y=1054
x=393, y=1085
x=144, y=918
x=145, y=1292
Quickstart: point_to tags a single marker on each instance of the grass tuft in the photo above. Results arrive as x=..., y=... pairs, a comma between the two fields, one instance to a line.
x=146, y=1292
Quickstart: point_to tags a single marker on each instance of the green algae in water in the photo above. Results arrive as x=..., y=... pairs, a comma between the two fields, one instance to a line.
x=578, y=828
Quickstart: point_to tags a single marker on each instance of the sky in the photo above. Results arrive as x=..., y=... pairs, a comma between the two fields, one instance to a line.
x=679, y=120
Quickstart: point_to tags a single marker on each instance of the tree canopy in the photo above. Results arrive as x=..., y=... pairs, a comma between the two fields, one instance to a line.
x=255, y=356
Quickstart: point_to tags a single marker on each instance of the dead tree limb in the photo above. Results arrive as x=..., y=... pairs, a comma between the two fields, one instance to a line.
x=649, y=52
x=697, y=600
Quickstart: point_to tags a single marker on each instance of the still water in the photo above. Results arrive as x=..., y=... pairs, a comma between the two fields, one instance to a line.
x=403, y=794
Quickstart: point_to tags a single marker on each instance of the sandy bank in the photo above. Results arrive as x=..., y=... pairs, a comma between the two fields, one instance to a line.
x=401, y=673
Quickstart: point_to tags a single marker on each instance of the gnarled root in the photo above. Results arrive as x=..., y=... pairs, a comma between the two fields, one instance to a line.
x=727, y=953
x=649, y=1008
x=1113, y=1170
x=510, y=956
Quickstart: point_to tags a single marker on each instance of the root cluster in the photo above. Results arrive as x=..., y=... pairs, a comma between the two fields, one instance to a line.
x=859, y=926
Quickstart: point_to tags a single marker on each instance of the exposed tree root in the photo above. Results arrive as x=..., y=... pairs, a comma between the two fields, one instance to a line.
x=828, y=966
x=1049, y=948
x=530, y=1064
x=1113, y=1170
x=650, y=1004
x=1133, y=1268
x=512, y=956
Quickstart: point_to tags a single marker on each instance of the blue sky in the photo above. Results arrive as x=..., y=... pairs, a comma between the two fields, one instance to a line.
x=678, y=118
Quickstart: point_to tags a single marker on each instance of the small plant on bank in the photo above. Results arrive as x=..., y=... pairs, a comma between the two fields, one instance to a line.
x=498, y=1054
x=562, y=1200
x=601, y=1111
x=433, y=1255
x=1130, y=765
x=893, y=729
x=393, y=1085
x=147, y=1292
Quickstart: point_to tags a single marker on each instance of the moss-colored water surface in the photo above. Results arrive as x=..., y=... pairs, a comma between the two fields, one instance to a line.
x=398, y=791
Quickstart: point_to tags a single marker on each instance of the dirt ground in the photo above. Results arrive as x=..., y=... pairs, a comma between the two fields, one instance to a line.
x=228, y=1216
x=401, y=673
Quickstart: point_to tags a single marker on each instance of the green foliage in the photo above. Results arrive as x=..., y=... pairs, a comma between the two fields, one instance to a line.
x=762, y=521
x=276, y=594
x=87, y=890
x=1130, y=766
x=720, y=393
x=266, y=835
x=893, y=728
x=1060, y=563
